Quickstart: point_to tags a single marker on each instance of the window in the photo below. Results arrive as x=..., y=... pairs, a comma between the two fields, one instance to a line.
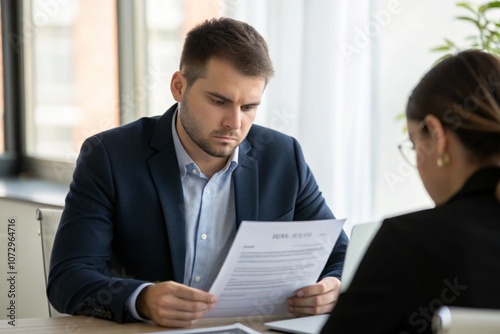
x=86, y=70
x=71, y=68
x=167, y=22
x=164, y=21
x=2, y=135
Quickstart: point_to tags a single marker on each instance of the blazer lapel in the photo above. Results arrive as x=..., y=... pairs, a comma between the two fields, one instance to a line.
x=165, y=173
x=246, y=184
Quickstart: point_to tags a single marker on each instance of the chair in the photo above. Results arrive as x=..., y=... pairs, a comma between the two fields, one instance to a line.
x=49, y=221
x=464, y=320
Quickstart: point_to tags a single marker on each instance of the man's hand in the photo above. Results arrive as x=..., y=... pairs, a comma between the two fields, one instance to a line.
x=172, y=304
x=315, y=299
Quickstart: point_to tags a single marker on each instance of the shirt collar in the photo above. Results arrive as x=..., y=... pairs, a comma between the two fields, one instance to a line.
x=183, y=158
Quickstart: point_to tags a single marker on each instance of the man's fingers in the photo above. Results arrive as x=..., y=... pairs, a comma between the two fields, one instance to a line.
x=326, y=285
x=173, y=323
x=318, y=304
x=179, y=304
x=313, y=301
x=173, y=305
x=306, y=311
x=173, y=314
x=185, y=292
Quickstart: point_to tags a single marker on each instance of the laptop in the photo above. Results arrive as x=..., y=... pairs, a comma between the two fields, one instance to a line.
x=361, y=236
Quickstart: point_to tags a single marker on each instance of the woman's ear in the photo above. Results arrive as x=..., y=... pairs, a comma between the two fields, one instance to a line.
x=178, y=86
x=437, y=132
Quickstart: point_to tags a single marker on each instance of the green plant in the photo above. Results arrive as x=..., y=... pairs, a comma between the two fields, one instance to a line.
x=488, y=30
x=487, y=36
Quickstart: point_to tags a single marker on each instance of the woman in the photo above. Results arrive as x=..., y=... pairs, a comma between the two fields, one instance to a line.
x=448, y=255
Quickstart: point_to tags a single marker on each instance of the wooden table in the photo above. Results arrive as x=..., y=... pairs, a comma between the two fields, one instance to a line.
x=83, y=324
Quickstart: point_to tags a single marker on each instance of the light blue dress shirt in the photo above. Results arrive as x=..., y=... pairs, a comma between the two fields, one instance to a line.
x=210, y=217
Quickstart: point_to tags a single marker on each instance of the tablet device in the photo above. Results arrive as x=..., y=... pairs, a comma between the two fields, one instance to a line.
x=303, y=325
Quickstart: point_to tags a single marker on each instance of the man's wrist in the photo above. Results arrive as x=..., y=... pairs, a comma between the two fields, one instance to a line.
x=135, y=303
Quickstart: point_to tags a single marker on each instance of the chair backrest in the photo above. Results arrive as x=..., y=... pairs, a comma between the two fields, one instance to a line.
x=464, y=320
x=49, y=221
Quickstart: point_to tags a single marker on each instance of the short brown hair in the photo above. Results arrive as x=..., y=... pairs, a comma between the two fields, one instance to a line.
x=228, y=40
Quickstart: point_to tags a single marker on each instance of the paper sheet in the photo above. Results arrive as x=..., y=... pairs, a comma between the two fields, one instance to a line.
x=268, y=262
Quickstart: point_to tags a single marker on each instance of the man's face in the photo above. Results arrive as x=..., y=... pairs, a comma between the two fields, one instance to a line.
x=217, y=111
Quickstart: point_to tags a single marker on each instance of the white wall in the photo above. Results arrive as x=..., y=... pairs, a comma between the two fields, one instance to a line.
x=318, y=89
x=402, y=56
x=388, y=62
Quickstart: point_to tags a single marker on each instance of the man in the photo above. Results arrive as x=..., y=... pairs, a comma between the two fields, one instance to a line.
x=154, y=205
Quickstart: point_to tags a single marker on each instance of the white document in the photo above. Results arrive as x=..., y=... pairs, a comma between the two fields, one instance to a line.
x=268, y=262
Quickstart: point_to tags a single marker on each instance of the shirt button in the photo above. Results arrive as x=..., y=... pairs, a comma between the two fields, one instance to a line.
x=203, y=236
x=193, y=171
x=207, y=191
x=197, y=278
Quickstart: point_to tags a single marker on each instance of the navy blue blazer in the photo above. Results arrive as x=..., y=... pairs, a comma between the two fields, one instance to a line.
x=123, y=219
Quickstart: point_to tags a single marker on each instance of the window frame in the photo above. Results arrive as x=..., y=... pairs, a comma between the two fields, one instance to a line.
x=17, y=32
x=18, y=76
x=12, y=48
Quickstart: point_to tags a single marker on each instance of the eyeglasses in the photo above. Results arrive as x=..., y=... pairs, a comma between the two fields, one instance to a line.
x=407, y=148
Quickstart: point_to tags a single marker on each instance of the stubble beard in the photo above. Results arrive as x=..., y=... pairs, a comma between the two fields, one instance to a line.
x=194, y=131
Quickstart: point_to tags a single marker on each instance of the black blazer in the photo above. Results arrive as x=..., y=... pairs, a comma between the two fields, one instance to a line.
x=449, y=255
x=123, y=220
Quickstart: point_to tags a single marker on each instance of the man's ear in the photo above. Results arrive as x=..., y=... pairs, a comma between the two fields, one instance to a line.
x=438, y=133
x=178, y=86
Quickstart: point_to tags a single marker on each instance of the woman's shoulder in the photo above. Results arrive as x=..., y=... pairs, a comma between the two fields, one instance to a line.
x=461, y=219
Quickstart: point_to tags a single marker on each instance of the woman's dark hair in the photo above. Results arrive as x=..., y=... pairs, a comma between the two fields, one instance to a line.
x=228, y=40
x=463, y=92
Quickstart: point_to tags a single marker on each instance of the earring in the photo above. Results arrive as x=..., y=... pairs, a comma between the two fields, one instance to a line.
x=443, y=160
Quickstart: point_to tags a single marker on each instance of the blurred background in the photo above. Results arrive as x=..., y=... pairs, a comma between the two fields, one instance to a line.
x=344, y=71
